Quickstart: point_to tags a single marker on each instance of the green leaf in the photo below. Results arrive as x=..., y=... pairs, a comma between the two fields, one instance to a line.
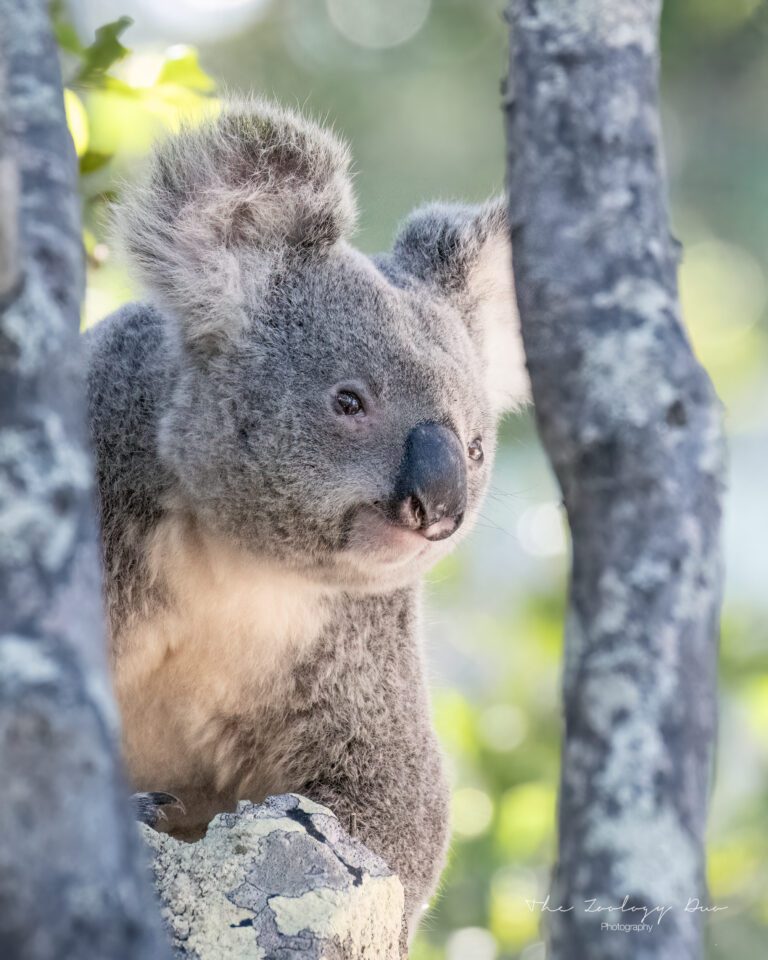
x=184, y=70
x=67, y=38
x=105, y=50
x=91, y=161
x=65, y=33
x=121, y=88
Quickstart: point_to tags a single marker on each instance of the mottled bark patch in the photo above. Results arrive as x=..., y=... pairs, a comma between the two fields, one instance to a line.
x=632, y=427
x=277, y=879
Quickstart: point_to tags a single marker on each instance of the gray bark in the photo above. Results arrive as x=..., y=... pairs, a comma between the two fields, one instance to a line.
x=278, y=879
x=632, y=427
x=73, y=879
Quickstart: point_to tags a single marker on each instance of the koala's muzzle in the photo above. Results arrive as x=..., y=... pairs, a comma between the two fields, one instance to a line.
x=431, y=485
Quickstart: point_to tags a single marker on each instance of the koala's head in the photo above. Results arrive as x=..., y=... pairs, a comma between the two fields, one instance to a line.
x=332, y=412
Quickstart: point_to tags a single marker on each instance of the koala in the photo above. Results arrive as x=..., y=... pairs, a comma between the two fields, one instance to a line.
x=288, y=435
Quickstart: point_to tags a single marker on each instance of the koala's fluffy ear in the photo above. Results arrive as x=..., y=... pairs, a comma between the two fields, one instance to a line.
x=464, y=252
x=222, y=203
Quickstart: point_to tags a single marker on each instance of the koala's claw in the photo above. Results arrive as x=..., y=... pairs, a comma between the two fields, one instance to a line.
x=148, y=807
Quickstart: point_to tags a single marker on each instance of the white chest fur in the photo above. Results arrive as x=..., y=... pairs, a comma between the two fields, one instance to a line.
x=224, y=643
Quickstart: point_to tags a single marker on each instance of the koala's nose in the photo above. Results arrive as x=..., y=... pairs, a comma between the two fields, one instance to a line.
x=431, y=486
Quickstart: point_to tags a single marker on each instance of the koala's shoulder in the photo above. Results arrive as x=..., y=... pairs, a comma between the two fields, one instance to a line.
x=129, y=374
x=126, y=353
x=125, y=339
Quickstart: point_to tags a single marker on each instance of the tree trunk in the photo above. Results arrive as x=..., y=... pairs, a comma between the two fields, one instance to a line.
x=632, y=427
x=73, y=880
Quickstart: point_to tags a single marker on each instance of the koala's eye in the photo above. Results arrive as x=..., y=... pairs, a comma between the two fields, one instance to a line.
x=475, y=449
x=349, y=404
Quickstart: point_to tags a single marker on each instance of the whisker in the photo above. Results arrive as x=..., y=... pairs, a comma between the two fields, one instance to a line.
x=492, y=525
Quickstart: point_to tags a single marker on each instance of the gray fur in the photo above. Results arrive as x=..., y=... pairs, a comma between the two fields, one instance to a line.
x=212, y=423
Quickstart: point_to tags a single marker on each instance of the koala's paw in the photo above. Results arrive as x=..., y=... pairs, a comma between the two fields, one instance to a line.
x=148, y=807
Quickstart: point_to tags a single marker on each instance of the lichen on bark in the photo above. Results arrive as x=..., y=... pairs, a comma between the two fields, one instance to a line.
x=278, y=879
x=73, y=881
x=633, y=430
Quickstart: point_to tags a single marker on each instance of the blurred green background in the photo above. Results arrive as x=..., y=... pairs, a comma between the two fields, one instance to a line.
x=414, y=86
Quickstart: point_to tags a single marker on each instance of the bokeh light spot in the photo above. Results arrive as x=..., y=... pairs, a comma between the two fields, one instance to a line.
x=526, y=818
x=472, y=812
x=536, y=951
x=142, y=69
x=502, y=727
x=723, y=292
x=541, y=530
x=471, y=943
x=512, y=919
x=369, y=23
x=77, y=121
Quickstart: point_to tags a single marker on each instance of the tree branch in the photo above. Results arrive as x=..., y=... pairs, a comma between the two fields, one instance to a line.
x=280, y=879
x=70, y=858
x=632, y=428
